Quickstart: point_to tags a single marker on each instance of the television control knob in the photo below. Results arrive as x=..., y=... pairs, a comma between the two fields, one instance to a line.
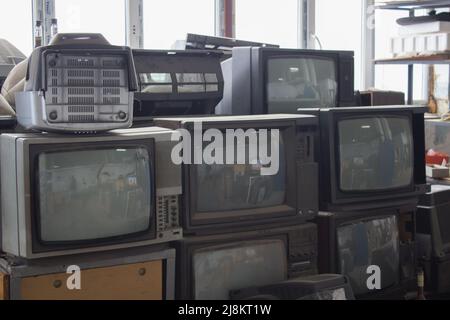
x=53, y=115
x=57, y=283
x=122, y=115
x=142, y=271
x=52, y=63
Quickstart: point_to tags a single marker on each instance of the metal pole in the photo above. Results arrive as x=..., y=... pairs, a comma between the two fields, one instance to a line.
x=368, y=45
x=49, y=14
x=134, y=21
x=225, y=22
x=306, y=24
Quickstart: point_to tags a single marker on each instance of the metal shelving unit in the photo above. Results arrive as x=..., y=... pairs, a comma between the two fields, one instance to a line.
x=439, y=58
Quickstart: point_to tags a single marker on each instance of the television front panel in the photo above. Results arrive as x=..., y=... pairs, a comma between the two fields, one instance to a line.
x=64, y=195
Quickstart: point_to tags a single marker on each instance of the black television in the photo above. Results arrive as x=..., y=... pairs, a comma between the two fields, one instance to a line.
x=210, y=267
x=350, y=242
x=370, y=156
x=229, y=197
x=260, y=80
x=176, y=82
x=433, y=237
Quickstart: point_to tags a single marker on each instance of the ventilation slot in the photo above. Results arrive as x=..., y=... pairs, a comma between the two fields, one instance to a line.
x=81, y=91
x=55, y=100
x=81, y=118
x=54, y=73
x=80, y=63
x=111, y=91
x=54, y=82
x=111, y=100
x=111, y=83
x=81, y=100
x=81, y=109
x=80, y=82
x=111, y=63
x=111, y=74
x=55, y=91
x=80, y=73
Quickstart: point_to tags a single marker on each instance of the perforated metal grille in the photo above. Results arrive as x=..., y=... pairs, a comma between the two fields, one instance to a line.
x=86, y=88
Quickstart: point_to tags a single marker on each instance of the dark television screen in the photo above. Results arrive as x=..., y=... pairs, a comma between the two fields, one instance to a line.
x=219, y=269
x=376, y=153
x=301, y=82
x=93, y=194
x=363, y=244
x=223, y=187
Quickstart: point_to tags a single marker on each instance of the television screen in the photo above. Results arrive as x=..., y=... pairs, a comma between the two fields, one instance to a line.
x=375, y=153
x=367, y=243
x=224, y=187
x=217, y=270
x=93, y=194
x=301, y=82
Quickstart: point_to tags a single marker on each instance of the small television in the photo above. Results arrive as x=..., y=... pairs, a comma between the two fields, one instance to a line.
x=351, y=243
x=433, y=237
x=66, y=194
x=210, y=267
x=315, y=287
x=370, y=156
x=175, y=82
x=262, y=80
x=235, y=195
x=78, y=83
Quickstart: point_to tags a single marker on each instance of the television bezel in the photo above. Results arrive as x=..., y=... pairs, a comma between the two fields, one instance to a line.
x=289, y=212
x=287, y=208
x=39, y=245
x=330, y=197
x=328, y=261
x=246, y=72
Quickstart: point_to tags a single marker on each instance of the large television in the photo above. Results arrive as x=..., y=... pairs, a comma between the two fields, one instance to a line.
x=67, y=194
x=237, y=196
x=351, y=242
x=176, y=82
x=210, y=267
x=261, y=80
x=370, y=156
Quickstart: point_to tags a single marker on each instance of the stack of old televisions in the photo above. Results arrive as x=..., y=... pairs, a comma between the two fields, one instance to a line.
x=371, y=161
x=102, y=203
x=243, y=227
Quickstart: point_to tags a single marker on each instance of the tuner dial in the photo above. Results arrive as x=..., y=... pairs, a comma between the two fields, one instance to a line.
x=122, y=115
x=53, y=115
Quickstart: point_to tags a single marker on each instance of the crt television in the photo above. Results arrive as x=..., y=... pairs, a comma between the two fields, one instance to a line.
x=272, y=80
x=370, y=156
x=230, y=196
x=188, y=82
x=351, y=242
x=433, y=237
x=210, y=267
x=65, y=195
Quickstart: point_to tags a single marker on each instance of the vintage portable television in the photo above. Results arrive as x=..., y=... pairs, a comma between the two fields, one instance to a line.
x=370, y=156
x=78, y=83
x=236, y=195
x=73, y=194
x=210, y=267
x=261, y=80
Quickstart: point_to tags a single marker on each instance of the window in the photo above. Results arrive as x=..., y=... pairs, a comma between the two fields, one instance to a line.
x=101, y=16
x=16, y=22
x=338, y=27
x=394, y=77
x=267, y=21
x=170, y=20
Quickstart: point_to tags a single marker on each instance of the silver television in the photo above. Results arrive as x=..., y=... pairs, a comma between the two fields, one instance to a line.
x=74, y=194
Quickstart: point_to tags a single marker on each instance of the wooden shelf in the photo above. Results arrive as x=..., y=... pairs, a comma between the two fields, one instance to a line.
x=436, y=58
x=414, y=5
